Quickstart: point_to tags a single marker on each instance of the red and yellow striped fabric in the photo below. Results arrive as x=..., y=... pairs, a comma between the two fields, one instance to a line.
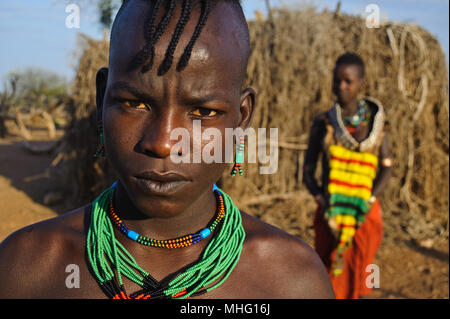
x=350, y=187
x=351, y=173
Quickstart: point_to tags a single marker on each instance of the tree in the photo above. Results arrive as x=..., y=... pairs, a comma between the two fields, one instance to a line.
x=106, y=9
x=34, y=87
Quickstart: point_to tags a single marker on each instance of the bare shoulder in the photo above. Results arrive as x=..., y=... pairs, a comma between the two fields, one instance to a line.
x=31, y=256
x=291, y=268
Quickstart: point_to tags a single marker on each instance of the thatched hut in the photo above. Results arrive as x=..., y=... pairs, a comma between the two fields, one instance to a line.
x=290, y=67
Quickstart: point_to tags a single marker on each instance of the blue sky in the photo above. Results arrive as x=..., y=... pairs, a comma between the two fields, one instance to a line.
x=33, y=33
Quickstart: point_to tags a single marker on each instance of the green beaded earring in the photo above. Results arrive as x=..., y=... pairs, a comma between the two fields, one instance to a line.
x=101, y=148
x=239, y=159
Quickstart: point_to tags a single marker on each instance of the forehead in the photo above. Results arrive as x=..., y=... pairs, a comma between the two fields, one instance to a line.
x=218, y=56
x=349, y=70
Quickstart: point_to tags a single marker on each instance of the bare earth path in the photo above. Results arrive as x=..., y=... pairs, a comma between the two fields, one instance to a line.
x=22, y=187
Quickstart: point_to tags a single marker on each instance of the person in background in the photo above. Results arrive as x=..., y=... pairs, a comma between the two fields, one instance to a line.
x=356, y=166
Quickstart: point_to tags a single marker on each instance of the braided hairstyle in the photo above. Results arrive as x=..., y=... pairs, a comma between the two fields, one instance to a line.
x=153, y=31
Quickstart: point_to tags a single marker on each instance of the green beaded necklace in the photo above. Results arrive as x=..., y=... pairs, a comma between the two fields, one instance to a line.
x=109, y=259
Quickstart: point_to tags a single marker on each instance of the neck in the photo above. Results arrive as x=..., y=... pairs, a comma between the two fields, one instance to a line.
x=191, y=219
x=349, y=108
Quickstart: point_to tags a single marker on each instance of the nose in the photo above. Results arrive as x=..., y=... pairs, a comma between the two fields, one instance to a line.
x=155, y=139
x=342, y=85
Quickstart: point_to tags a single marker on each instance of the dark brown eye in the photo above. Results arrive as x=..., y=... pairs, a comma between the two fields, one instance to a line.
x=203, y=112
x=135, y=104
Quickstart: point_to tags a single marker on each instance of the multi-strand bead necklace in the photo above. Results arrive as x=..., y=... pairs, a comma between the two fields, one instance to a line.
x=179, y=242
x=110, y=260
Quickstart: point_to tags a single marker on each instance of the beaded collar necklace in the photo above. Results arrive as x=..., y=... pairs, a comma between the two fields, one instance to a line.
x=110, y=261
x=343, y=135
x=179, y=242
x=362, y=116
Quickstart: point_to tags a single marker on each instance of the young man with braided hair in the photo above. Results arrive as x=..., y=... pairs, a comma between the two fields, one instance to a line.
x=170, y=63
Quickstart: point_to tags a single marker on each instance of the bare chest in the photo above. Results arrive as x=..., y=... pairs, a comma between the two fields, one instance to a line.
x=79, y=283
x=361, y=133
x=75, y=278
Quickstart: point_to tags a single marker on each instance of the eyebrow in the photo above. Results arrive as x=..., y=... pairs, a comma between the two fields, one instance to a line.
x=125, y=86
x=202, y=100
x=193, y=100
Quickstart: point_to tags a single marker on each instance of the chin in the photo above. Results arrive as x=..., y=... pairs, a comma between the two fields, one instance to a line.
x=159, y=207
x=151, y=204
x=344, y=101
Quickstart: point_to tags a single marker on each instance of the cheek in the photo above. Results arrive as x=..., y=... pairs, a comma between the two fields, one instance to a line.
x=210, y=150
x=355, y=88
x=206, y=174
x=120, y=134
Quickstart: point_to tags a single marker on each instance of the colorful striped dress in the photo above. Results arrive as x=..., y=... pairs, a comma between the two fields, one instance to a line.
x=349, y=169
x=350, y=187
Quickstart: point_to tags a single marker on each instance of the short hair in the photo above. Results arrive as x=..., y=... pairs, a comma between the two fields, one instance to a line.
x=351, y=59
x=153, y=31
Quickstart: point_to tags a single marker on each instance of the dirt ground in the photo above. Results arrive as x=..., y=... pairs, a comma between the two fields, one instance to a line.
x=407, y=270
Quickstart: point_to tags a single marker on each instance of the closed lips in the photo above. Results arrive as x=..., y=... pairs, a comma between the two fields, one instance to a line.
x=162, y=178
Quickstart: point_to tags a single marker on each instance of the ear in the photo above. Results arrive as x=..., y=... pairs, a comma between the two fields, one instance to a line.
x=100, y=82
x=362, y=87
x=247, y=106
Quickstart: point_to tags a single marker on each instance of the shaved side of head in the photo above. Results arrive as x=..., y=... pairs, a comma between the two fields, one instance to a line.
x=199, y=16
